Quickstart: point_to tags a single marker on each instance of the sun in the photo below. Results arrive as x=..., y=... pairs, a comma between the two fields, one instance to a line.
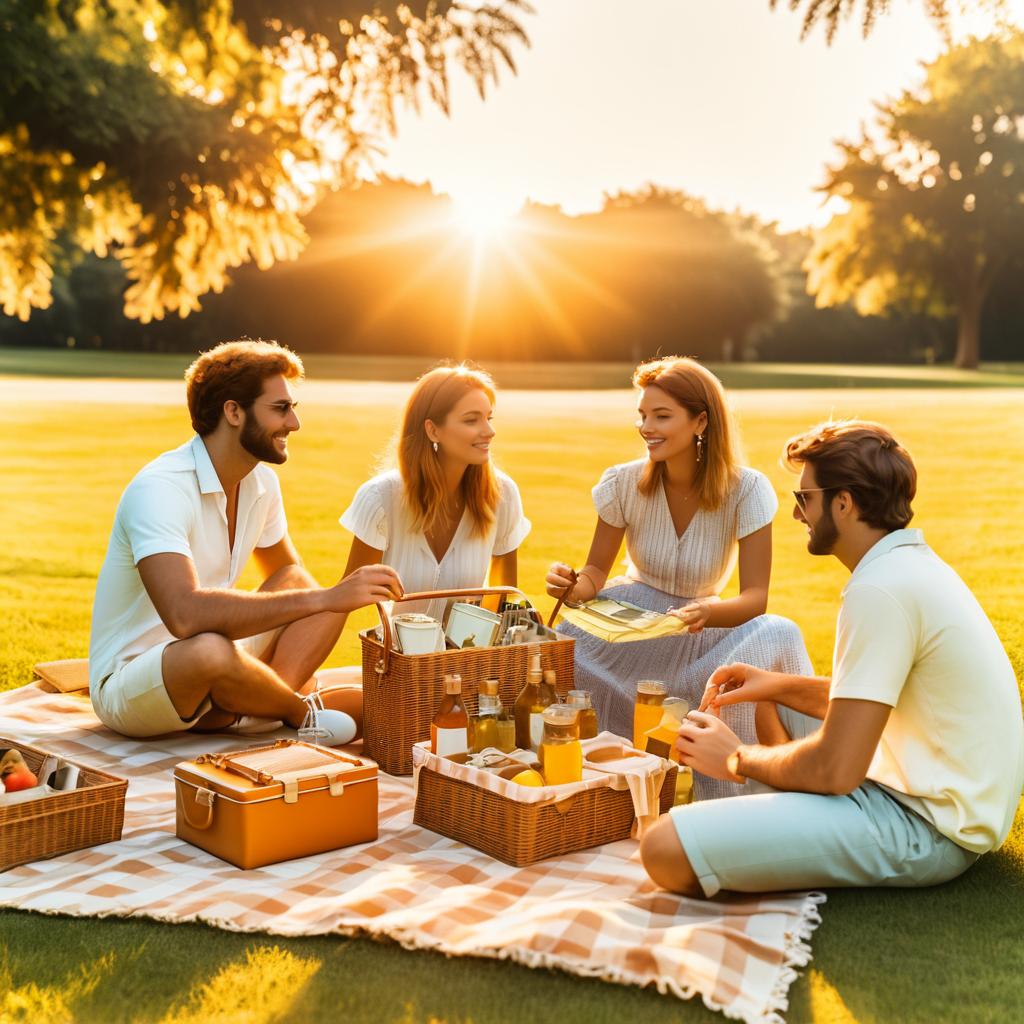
x=483, y=218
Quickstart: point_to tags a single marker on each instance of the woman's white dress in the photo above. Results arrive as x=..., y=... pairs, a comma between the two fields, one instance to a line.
x=667, y=571
x=378, y=517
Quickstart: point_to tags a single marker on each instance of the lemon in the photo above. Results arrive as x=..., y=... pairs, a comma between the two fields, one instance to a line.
x=529, y=778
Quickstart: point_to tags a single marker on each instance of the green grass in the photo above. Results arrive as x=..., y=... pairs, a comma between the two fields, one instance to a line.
x=165, y=366
x=952, y=953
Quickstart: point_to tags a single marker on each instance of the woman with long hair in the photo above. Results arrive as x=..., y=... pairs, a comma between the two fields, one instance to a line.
x=446, y=518
x=687, y=512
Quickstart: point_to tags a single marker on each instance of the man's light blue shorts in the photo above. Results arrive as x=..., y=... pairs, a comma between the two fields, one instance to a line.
x=775, y=840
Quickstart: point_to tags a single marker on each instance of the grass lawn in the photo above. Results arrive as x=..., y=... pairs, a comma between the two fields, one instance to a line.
x=168, y=366
x=952, y=953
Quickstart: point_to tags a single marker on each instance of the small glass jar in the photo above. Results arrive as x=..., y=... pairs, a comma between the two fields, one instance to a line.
x=586, y=716
x=561, y=756
x=650, y=695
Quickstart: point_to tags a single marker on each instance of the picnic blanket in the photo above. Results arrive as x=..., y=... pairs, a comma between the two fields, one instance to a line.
x=594, y=913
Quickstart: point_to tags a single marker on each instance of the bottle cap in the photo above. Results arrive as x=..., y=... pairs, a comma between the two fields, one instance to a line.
x=534, y=674
x=453, y=684
x=489, y=687
x=578, y=699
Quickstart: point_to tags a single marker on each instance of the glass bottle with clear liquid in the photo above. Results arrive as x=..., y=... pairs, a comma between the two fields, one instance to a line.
x=449, y=731
x=485, y=724
x=534, y=697
x=561, y=756
x=586, y=716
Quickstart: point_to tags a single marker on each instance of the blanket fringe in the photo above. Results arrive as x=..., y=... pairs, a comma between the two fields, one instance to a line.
x=797, y=954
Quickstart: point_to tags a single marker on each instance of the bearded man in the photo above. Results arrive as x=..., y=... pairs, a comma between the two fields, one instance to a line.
x=905, y=766
x=174, y=644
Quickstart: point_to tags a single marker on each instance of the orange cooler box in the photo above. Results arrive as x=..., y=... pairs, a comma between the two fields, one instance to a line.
x=278, y=802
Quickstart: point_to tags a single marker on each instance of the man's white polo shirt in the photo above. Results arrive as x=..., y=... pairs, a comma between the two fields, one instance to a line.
x=175, y=504
x=911, y=635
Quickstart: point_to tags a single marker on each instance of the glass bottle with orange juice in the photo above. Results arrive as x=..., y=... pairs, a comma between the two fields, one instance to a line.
x=586, y=716
x=650, y=695
x=661, y=739
x=561, y=756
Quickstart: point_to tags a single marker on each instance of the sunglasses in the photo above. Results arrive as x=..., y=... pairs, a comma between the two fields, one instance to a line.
x=801, y=496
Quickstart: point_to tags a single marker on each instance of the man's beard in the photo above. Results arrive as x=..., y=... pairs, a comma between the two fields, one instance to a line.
x=824, y=535
x=259, y=443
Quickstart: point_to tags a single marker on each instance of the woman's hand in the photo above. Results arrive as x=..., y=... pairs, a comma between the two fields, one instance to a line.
x=695, y=614
x=559, y=579
x=705, y=743
x=737, y=683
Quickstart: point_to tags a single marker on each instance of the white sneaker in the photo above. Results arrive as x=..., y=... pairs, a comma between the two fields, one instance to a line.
x=326, y=726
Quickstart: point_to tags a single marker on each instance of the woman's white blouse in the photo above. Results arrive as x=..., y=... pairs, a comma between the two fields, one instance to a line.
x=378, y=517
x=700, y=562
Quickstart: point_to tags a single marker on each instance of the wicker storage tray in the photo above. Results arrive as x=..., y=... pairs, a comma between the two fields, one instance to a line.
x=87, y=816
x=520, y=833
x=401, y=692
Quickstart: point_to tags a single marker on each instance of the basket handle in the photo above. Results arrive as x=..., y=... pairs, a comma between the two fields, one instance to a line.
x=430, y=595
x=565, y=593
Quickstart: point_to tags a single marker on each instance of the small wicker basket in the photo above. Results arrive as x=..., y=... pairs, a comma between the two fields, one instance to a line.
x=401, y=692
x=87, y=816
x=521, y=833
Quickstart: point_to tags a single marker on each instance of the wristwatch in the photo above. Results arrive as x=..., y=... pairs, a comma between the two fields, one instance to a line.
x=732, y=762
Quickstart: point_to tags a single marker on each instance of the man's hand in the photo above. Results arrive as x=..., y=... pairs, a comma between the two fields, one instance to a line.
x=704, y=743
x=369, y=584
x=737, y=683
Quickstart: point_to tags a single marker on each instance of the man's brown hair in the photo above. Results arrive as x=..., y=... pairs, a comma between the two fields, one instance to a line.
x=865, y=459
x=234, y=371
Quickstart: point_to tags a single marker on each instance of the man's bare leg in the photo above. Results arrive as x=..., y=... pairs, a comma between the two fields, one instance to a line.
x=302, y=646
x=665, y=860
x=209, y=666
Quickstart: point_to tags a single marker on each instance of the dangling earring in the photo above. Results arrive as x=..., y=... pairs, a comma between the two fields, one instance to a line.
x=435, y=447
x=700, y=446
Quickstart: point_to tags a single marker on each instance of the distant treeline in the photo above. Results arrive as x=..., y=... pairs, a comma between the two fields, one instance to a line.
x=388, y=271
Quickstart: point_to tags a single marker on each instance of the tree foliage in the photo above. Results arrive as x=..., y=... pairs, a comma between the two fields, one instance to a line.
x=831, y=13
x=389, y=270
x=935, y=194
x=188, y=137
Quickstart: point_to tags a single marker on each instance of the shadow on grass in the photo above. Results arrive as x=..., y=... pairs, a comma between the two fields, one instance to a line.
x=146, y=972
x=952, y=953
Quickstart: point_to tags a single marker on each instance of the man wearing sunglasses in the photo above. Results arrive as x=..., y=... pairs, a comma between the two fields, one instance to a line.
x=903, y=768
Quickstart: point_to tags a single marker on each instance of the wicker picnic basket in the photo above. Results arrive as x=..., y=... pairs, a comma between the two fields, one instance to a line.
x=87, y=816
x=520, y=833
x=401, y=692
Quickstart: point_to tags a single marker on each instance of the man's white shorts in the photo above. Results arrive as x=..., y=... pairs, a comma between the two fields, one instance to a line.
x=133, y=700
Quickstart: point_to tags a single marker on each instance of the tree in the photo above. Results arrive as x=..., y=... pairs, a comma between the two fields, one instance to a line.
x=831, y=12
x=187, y=137
x=935, y=194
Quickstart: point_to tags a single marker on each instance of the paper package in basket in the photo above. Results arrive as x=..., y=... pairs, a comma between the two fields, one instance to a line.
x=276, y=802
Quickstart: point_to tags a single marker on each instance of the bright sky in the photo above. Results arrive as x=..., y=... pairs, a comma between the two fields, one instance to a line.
x=716, y=97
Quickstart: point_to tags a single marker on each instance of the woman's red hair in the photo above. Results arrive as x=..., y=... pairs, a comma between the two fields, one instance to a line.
x=435, y=395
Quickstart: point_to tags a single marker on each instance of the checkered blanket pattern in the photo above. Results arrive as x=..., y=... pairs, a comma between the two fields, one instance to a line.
x=593, y=914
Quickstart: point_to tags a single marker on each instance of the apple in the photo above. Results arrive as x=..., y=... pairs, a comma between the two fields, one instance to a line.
x=14, y=773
